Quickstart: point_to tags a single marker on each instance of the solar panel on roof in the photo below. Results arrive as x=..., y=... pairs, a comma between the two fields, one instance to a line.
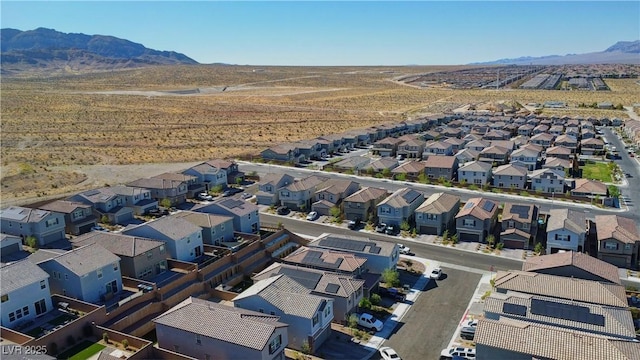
x=314, y=258
x=307, y=279
x=566, y=312
x=469, y=205
x=350, y=245
x=332, y=288
x=521, y=210
x=231, y=203
x=514, y=309
x=488, y=206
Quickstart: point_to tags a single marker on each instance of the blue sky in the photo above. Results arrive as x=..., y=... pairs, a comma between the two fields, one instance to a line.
x=342, y=33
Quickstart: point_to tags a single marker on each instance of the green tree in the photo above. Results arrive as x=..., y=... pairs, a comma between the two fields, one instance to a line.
x=391, y=277
x=364, y=304
x=104, y=219
x=614, y=192
x=32, y=242
x=125, y=344
x=491, y=240
x=401, y=176
x=423, y=179
x=239, y=181
x=165, y=203
x=404, y=226
x=216, y=189
x=445, y=236
x=375, y=299
x=386, y=172
x=335, y=212
x=352, y=322
x=454, y=238
x=538, y=248
x=305, y=347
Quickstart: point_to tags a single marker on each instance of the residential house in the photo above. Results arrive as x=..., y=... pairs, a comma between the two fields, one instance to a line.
x=572, y=131
x=441, y=167
x=299, y=194
x=519, y=141
x=330, y=194
x=437, y=148
x=353, y=163
x=380, y=255
x=46, y=226
x=138, y=199
x=495, y=154
x=542, y=139
x=540, y=129
x=25, y=293
x=477, y=219
x=194, y=187
x=558, y=164
x=106, y=204
x=362, y=205
x=475, y=172
x=547, y=181
x=575, y=265
x=559, y=152
x=526, y=157
x=216, y=229
x=288, y=153
x=451, y=132
x=399, y=207
x=477, y=145
x=591, y=146
x=386, y=147
x=338, y=142
x=537, y=148
x=183, y=239
x=556, y=130
x=309, y=316
x=411, y=149
x=140, y=258
x=589, y=188
x=326, y=146
x=437, y=214
x=496, y=135
x=327, y=260
x=587, y=134
x=618, y=240
x=11, y=249
x=381, y=164
x=89, y=273
x=208, y=175
x=432, y=135
x=230, y=332
x=345, y=290
x=410, y=170
x=78, y=217
x=519, y=225
x=174, y=190
x=566, y=230
x=510, y=176
x=244, y=213
x=467, y=155
x=269, y=188
x=456, y=144
x=568, y=142
x=510, y=145
x=310, y=149
x=234, y=175
x=525, y=130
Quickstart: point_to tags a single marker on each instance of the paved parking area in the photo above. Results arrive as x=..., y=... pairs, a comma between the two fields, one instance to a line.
x=428, y=326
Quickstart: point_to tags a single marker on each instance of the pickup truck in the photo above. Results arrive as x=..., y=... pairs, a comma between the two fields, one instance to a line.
x=393, y=293
x=368, y=321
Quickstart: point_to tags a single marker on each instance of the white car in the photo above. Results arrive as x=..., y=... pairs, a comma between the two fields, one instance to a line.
x=435, y=274
x=312, y=216
x=405, y=250
x=388, y=353
x=460, y=352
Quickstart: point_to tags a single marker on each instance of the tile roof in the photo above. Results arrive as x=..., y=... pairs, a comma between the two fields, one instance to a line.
x=19, y=274
x=475, y=166
x=540, y=172
x=479, y=208
x=366, y=194
x=118, y=243
x=234, y=205
x=561, y=287
x=441, y=162
x=558, y=150
x=548, y=342
x=282, y=149
x=403, y=197
x=567, y=314
x=63, y=206
x=221, y=163
x=582, y=261
x=204, y=168
x=410, y=167
x=568, y=219
x=178, y=177
x=527, y=152
x=617, y=227
x=233, y=325
x=566, y=139
x=542, y=137
x=592, y=141
x=329, y=259
x=155, y=183
x=86, y=259
x=173, y=228
x=556, y=162
x=272, y=178
x=438, y=145
x=383, y=163
x=507, y=144
x=525, y=213
x=534, y=147
x=354, y=161
x=439, y=203
x=23, y=214
x=590, y=187
x=336, y=186
x=128, y=190
x=203, y=220
x=523, y=235
x=389, y=141
x=353, y=244
x=287, y=295
x=307, y=183
x=510, y=169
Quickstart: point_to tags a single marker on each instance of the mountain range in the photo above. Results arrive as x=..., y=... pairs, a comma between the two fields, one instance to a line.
x=50, y=51
x=622, y=52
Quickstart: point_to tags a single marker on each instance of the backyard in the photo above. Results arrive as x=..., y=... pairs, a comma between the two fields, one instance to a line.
x=598, y=171
x=82, y=351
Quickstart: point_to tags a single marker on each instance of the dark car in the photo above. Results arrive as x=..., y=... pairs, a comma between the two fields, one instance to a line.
x=467, y=333
x=393, y=293
x=231, y=191
x=158, y=212
x=391, y=230
x=282, y=210
x=381, y=227
x=353, y=224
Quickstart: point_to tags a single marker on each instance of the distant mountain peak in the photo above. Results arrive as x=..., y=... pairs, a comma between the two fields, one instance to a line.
x=626, y=47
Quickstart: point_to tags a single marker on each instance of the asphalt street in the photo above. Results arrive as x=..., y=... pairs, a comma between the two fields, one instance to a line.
x=630, y=192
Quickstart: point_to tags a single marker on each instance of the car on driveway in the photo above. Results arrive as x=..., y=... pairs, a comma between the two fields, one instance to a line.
x=312, y=216
x=381, y=227
x=468, y=333
x=204, y=196
x=394, y=293
x=470, y=323
x=353, y=224
x=388, y=353
x=436, y=274
x=404, y=250
x=370, y=322
x=391, y=230
x=231, y=191
x=246, y=195
x=458, y=353
x=282, y=210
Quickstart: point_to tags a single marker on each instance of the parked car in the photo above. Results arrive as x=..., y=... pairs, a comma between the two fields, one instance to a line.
x=405, y=250
x=246, y=195
x=388, y=353
x=231, y=191
x=282, y=210
x=312, y=216
x=471, y=323
x=158, y=212
x=393, y=293
x=204, y=196
x=467, y=333
x=381, y=227
x=370, y=322
x=391, y=230
x=436, y=274
x=459, y=352
x=353, y=224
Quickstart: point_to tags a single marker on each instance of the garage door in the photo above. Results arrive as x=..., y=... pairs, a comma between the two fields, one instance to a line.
x=513, y=244
x=85, y=228
x=429, y=230
x=614, y=260
x=53, y=237
x=469, y=237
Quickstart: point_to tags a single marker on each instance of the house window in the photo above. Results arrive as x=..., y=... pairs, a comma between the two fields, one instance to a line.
x=222, y=226
x=316, y=319
x=627, y=246
x=12, y=317
x=477, y=181
x=261, y=310
x=4, y=298
x=511, y=224
x=161, y=249
x=272, y=312
x=149, y=256
x=432, y=217
x=538, y=181
x=611, y=245
x=66, y=276
x=563, y=237
x=275, y=344
x=99, y=271
x=112, y=287
x=198, y=339
x=40, y=306
x=327, y=311
x=468, y=223
x=43, y=284
x=25, y=310
x=19, y=314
